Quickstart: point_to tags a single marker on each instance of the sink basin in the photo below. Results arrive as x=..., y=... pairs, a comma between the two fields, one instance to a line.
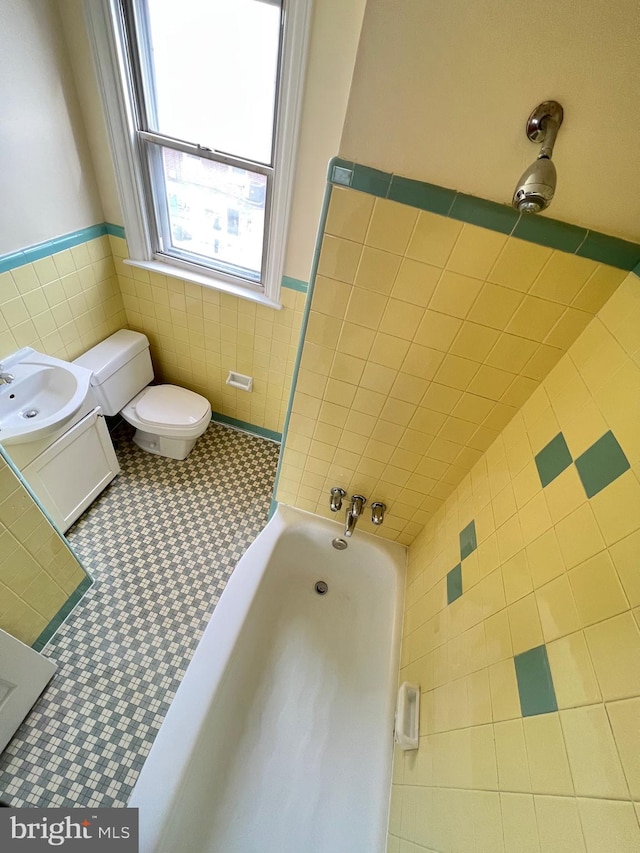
x=45, y=393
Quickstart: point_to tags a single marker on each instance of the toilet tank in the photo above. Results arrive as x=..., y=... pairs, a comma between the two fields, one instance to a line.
x=121, y=367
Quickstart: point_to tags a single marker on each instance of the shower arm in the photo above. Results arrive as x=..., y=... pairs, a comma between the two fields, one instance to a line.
x=543, y=126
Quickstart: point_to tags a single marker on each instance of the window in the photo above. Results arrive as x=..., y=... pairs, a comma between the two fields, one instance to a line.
x=202, y=102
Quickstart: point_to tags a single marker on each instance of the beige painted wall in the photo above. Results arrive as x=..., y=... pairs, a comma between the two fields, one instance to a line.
x=46, y=181
x=442, y=91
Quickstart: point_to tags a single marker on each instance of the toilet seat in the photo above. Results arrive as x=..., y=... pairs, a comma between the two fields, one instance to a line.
x=168, y=410
x=170, y=405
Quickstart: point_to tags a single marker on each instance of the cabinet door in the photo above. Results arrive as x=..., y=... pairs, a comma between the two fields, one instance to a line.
x=71, y=473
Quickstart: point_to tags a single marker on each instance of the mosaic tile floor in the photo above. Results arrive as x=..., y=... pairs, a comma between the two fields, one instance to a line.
x=161, y=543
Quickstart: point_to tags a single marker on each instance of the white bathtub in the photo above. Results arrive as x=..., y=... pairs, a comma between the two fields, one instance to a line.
x=280, y=737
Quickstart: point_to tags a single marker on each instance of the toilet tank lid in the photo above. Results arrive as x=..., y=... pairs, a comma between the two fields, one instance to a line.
x=111, y=354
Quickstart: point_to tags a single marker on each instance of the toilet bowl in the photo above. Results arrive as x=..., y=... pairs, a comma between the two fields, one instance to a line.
x=168, y=419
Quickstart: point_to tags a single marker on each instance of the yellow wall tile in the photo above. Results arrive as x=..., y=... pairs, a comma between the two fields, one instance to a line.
x=624, y=717
x=547, y=757
x=339, y=259
x=433, y=238
x=415, y=282
x=597, y=590
x=625, y=558
x=377, y=270
x=391, y=226
x=505, y=700
x=559, y=825
x=573, y=675
x=524, y=621
x=511, y=753
x=557, y=609
x=518, y=264
x=519, y=823
x=349, y=214
x=495, y=306
x=596, y=771
x=579, y=536
x=455, y=294
x=623, y=492
x=475, y=251
x=614, y=646
x=608, y=825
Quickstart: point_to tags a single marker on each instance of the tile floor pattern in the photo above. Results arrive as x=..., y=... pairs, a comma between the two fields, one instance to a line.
x=161, y=543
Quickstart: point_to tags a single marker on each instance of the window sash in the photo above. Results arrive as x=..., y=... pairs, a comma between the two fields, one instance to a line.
x=105, y=27
x=162, y=247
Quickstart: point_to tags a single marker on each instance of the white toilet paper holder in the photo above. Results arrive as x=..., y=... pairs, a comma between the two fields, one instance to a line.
x=407, y=724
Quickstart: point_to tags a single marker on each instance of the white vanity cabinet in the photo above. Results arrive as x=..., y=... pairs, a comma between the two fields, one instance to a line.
x=70, y=473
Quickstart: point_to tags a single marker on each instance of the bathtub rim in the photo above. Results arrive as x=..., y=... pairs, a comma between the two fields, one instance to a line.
x=177, y=738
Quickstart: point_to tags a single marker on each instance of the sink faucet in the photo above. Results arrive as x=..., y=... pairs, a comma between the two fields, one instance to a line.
x=353, y=514
x=6, y=378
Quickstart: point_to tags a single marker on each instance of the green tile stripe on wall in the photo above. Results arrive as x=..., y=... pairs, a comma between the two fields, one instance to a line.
x=487, y=214
x=294, y=284
x=601, y=464
x=262, y=432
x=535, y=684
x=553, y=459
x=62, y=614
x=58, y=244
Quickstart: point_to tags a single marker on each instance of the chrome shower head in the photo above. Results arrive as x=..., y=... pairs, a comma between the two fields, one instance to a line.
x=538, y=182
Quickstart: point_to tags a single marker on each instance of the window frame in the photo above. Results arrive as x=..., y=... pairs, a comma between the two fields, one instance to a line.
x=115, y=73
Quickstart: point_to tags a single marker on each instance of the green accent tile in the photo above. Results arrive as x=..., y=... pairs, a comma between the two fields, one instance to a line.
x=62, y=614
x=342, y=166
x=550, y=232
x=294, y=284
x=454, y=583
x=468, y=540
x=610, y=250
x=636, y=270
x=371, y=181
x=486, y=214
x=535, y=684
x=601, y=464
x=553, y=459
x=421, y=195
x=115, y=230
x=263, y=432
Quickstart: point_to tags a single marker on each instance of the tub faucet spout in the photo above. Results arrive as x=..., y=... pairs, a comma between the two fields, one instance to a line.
x=353, y=514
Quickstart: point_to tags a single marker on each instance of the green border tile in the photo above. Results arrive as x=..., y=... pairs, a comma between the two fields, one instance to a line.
x=421, y=195
x=601, y=464
x=553, y=459
x=454, y=583
x=486, y=214
x=338, y=162
x=610, y=250
x=62, y=614
x=637, y=270
x=468, y=540
x=294, y=284
x=263, y=432
x=550, y=232
x=115, y=230
x=535, y=684
x=371, y=181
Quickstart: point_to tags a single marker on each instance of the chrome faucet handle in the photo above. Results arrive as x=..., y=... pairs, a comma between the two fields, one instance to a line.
x=357, y=505
x=378, y=510
x=336, y=498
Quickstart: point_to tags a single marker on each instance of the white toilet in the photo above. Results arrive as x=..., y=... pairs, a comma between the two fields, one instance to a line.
x=168, y=419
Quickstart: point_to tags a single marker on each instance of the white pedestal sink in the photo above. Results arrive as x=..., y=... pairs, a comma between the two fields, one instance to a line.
x=43, y=394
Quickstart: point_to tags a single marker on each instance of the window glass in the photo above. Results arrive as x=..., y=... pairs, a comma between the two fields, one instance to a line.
x=213, y=210
x=214, y=66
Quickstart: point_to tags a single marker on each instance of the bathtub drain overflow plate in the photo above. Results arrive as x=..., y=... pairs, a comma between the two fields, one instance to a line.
x=322, y=588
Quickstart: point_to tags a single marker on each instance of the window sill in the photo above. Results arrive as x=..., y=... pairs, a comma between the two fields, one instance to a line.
x=204, y=281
